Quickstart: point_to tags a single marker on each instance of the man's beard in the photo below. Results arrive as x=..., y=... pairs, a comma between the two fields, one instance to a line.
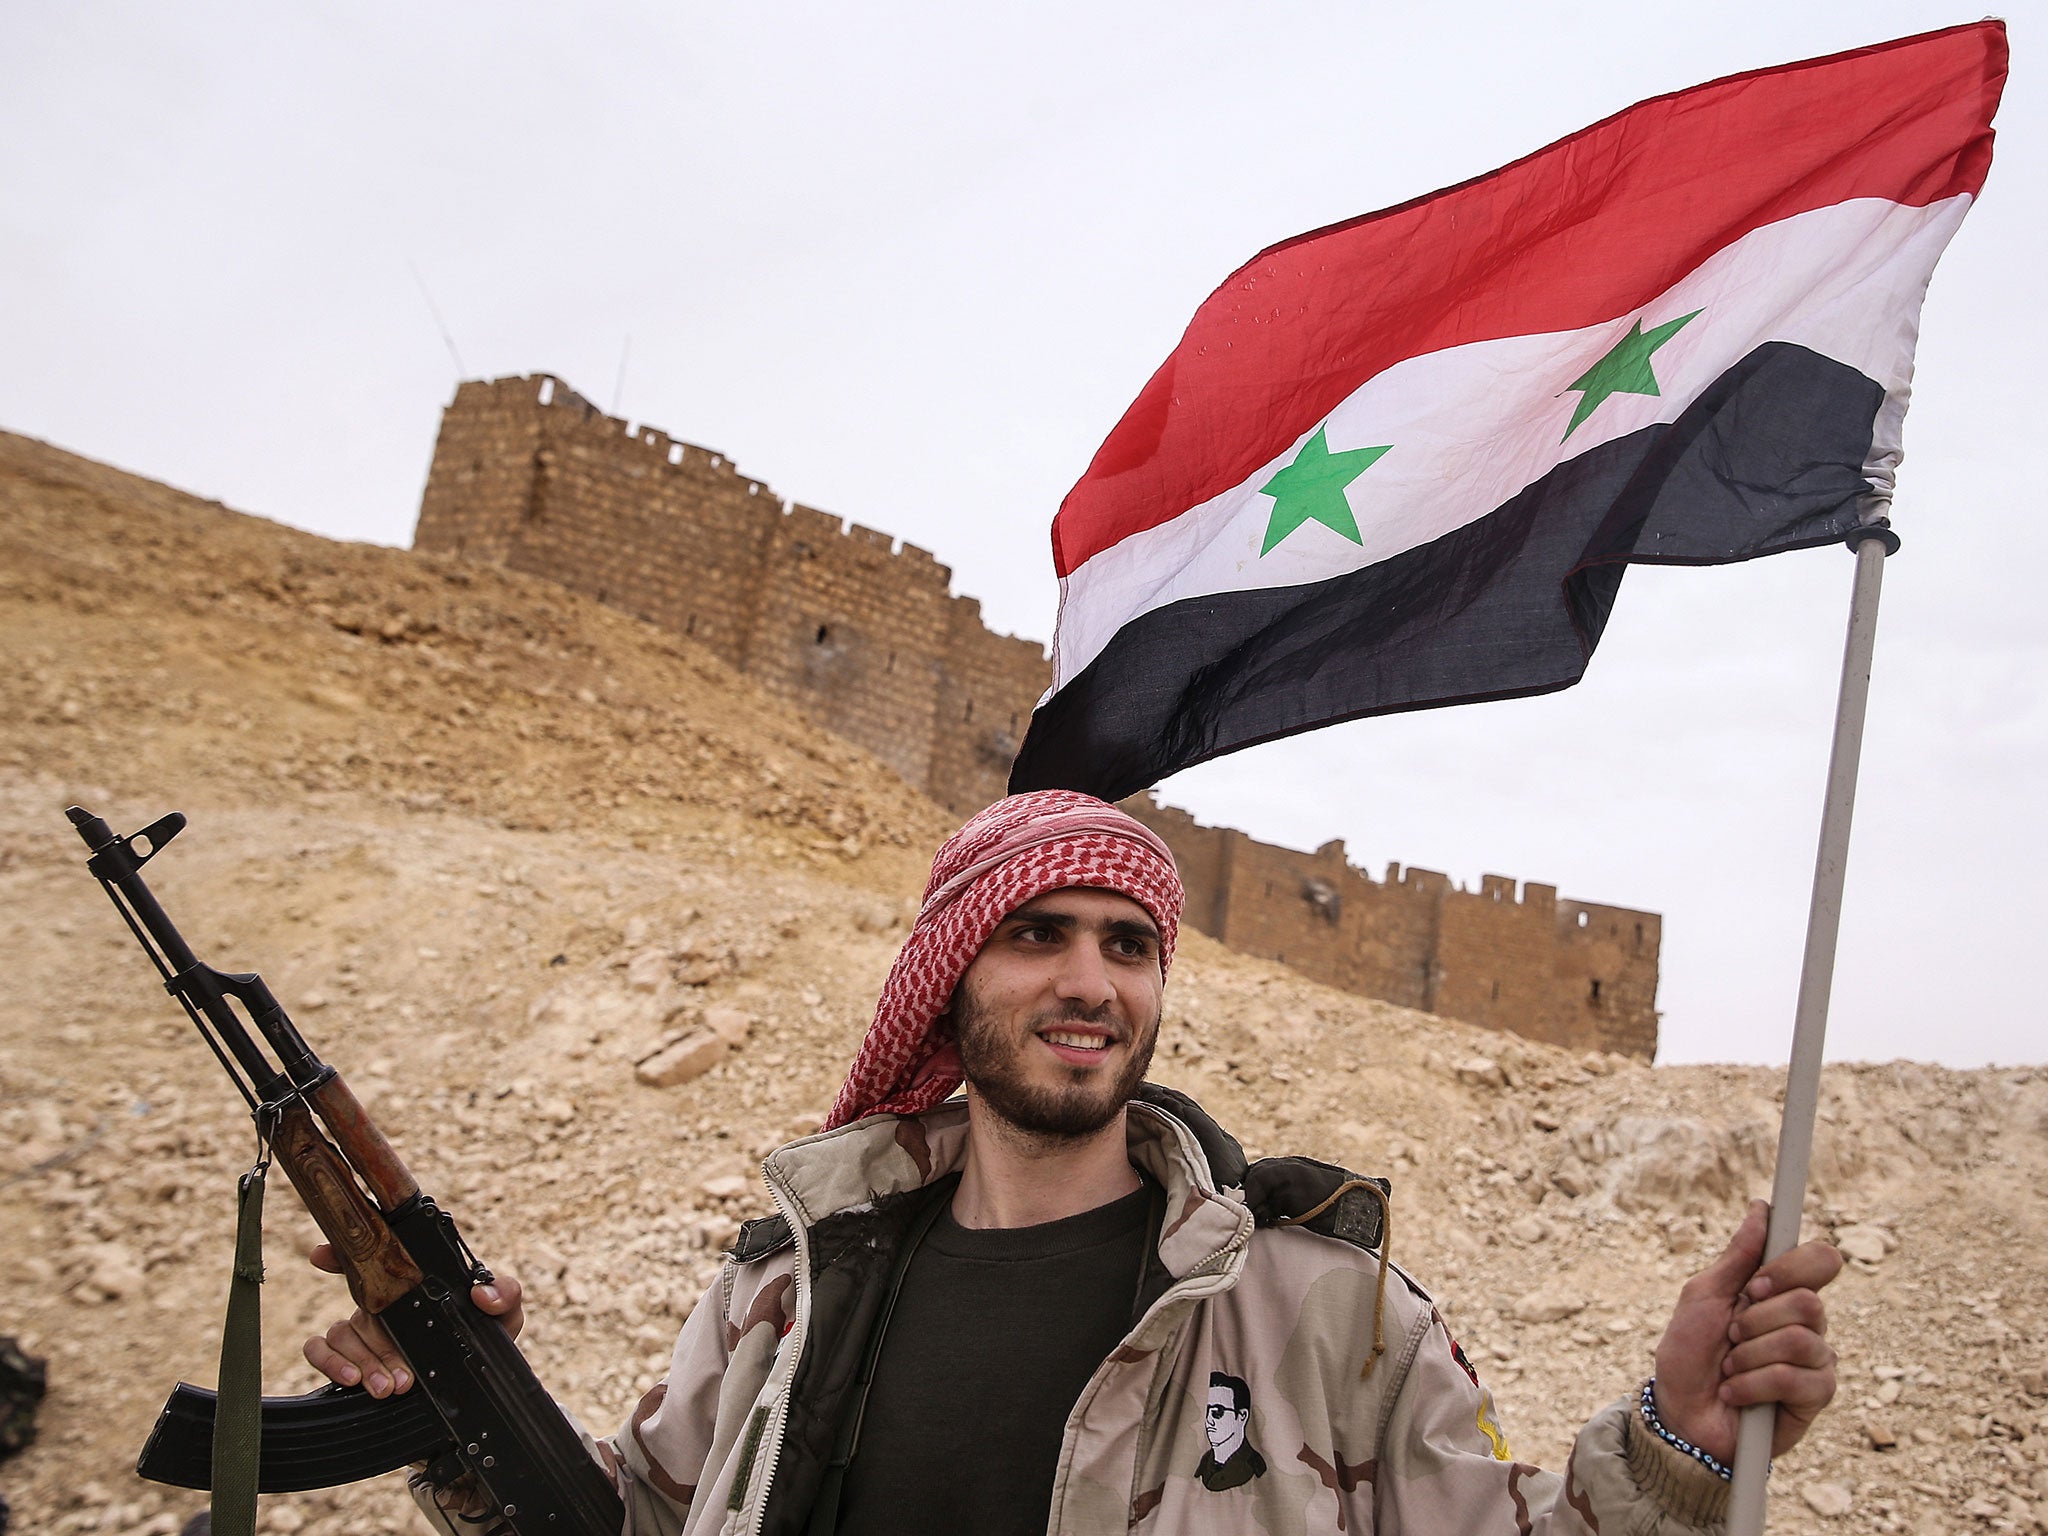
x=990, y=1060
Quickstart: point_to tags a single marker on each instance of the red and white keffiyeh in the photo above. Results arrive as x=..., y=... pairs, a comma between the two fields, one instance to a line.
x=1018, y=848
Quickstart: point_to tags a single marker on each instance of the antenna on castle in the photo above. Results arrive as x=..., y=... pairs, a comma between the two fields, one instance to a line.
x=439, y=324
x=619, y=384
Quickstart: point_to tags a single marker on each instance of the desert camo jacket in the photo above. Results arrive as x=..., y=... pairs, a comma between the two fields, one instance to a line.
x=734, y=1439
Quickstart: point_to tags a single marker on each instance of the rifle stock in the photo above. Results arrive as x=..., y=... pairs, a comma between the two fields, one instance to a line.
x=477, y=1407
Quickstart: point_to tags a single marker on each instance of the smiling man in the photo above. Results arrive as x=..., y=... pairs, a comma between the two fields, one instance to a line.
x=1064, y=1303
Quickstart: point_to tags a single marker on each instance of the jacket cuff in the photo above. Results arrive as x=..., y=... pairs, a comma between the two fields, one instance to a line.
x=1681, y=1487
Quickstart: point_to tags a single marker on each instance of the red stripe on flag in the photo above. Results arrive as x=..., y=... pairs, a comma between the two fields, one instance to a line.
x=1584, y=230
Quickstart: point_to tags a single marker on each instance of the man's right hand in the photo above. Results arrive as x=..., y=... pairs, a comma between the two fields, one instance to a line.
x=357, y=1349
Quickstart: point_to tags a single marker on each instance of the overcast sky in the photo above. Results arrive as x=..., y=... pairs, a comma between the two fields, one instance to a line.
x=910, y=263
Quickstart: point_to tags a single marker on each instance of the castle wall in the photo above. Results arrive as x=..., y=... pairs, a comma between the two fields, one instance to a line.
x=860, y=634
x=1497, y=962
x=1203, y=856
x=866, y=638
x=852, y=633
x=1569, y=973
x=1617, y=948
x=987, y=687
x=480, y=490
x=663, y=530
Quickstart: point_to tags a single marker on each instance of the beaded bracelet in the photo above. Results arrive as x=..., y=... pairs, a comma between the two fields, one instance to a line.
x=1705, y=1458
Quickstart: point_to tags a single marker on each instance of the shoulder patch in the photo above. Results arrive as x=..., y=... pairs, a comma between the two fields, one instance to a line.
x=1458, y=1354
x=1304, y=1192
x=761, y=1237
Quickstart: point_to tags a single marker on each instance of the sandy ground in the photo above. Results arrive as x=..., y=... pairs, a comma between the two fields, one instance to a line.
x=491, y=843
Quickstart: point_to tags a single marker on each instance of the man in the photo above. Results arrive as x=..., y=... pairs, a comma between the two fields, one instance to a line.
x=1066, y=1305
x=1231, y=1460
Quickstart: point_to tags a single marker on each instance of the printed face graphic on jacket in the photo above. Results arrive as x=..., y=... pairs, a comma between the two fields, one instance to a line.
x=1231, y=1461
x=1226, y=1422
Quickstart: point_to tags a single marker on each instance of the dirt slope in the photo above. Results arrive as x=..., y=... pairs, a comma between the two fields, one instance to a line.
x=492, y=842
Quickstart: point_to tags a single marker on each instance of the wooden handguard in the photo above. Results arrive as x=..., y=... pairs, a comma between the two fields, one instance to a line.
x=378, y=1268
x=372, y=1157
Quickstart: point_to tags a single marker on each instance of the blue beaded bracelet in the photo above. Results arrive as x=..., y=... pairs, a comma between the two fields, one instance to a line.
x=1705, y=1458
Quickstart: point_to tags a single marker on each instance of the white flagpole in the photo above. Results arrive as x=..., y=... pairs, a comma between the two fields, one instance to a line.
x=1872, y=543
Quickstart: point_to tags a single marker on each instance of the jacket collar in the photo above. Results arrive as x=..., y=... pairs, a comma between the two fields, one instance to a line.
x=882, y=1155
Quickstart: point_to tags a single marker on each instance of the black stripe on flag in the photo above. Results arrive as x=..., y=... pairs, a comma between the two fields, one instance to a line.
x=1769, y=458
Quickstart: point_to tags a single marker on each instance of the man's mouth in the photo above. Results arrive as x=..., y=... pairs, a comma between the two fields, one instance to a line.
x=1077, y=1045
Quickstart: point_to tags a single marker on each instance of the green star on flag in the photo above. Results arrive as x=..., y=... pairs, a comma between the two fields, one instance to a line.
x=1311, y=489
x=1625, y=370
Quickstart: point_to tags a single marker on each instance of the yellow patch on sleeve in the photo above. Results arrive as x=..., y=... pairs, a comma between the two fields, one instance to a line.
x=1489, y=1426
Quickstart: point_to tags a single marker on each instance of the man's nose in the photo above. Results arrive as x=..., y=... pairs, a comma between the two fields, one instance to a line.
x=1084, y=977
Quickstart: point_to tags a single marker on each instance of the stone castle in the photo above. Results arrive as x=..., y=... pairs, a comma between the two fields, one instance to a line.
x=865, y=636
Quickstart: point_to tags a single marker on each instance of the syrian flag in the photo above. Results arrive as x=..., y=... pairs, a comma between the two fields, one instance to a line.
x=1404, y=461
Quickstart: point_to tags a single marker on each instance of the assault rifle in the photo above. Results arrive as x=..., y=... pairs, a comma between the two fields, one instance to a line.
x=477, y=1407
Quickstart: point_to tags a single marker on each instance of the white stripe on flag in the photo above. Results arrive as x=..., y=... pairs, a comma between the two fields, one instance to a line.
x=1469, y=427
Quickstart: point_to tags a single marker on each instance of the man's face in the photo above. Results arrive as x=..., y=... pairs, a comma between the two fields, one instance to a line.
x=1225, y=1423
x=1057, y=1016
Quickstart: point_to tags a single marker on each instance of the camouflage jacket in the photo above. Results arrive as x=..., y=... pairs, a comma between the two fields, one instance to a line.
x=736, y=1438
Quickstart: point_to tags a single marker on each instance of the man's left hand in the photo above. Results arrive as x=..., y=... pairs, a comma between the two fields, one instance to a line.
x=1743, y=1335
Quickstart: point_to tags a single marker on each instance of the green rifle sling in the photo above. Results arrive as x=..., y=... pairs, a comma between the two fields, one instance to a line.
x=238, y=1411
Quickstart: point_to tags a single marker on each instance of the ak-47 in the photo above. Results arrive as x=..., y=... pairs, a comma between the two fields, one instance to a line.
x=478, y=1408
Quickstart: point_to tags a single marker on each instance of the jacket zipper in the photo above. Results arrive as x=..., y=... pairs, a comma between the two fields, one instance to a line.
x=786, y=1360
x=1192, y=1157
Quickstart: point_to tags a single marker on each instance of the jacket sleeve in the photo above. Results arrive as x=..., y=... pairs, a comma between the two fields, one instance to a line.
x=657, y=1456
x=1445, y=1465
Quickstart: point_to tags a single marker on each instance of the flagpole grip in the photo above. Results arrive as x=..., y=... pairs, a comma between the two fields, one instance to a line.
x=1816, y=980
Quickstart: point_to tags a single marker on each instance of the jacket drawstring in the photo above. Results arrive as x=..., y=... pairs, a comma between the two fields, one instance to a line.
x=1379, y=1294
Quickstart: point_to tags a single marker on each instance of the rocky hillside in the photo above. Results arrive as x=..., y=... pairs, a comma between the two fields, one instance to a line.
x=497, y=846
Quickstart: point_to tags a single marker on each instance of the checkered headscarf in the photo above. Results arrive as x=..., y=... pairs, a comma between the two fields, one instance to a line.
x=1018, y=848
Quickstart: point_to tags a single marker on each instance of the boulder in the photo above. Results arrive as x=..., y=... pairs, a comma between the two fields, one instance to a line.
x=1573, y=1178
x=690, y=1057
x=646, y=971
x=1865, y=1244
x=1830, y=1501
x=1481, y=1072
x=1546, y=1306
x=113, y=1273
x=729, y=1024
x=1677, y=1164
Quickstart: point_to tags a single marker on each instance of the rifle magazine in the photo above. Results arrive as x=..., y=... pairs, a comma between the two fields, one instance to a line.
x=319, y=1440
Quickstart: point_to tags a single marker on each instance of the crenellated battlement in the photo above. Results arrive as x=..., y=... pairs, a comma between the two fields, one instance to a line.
x=863, y=633
x=1568, y=972
x=855, y=627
